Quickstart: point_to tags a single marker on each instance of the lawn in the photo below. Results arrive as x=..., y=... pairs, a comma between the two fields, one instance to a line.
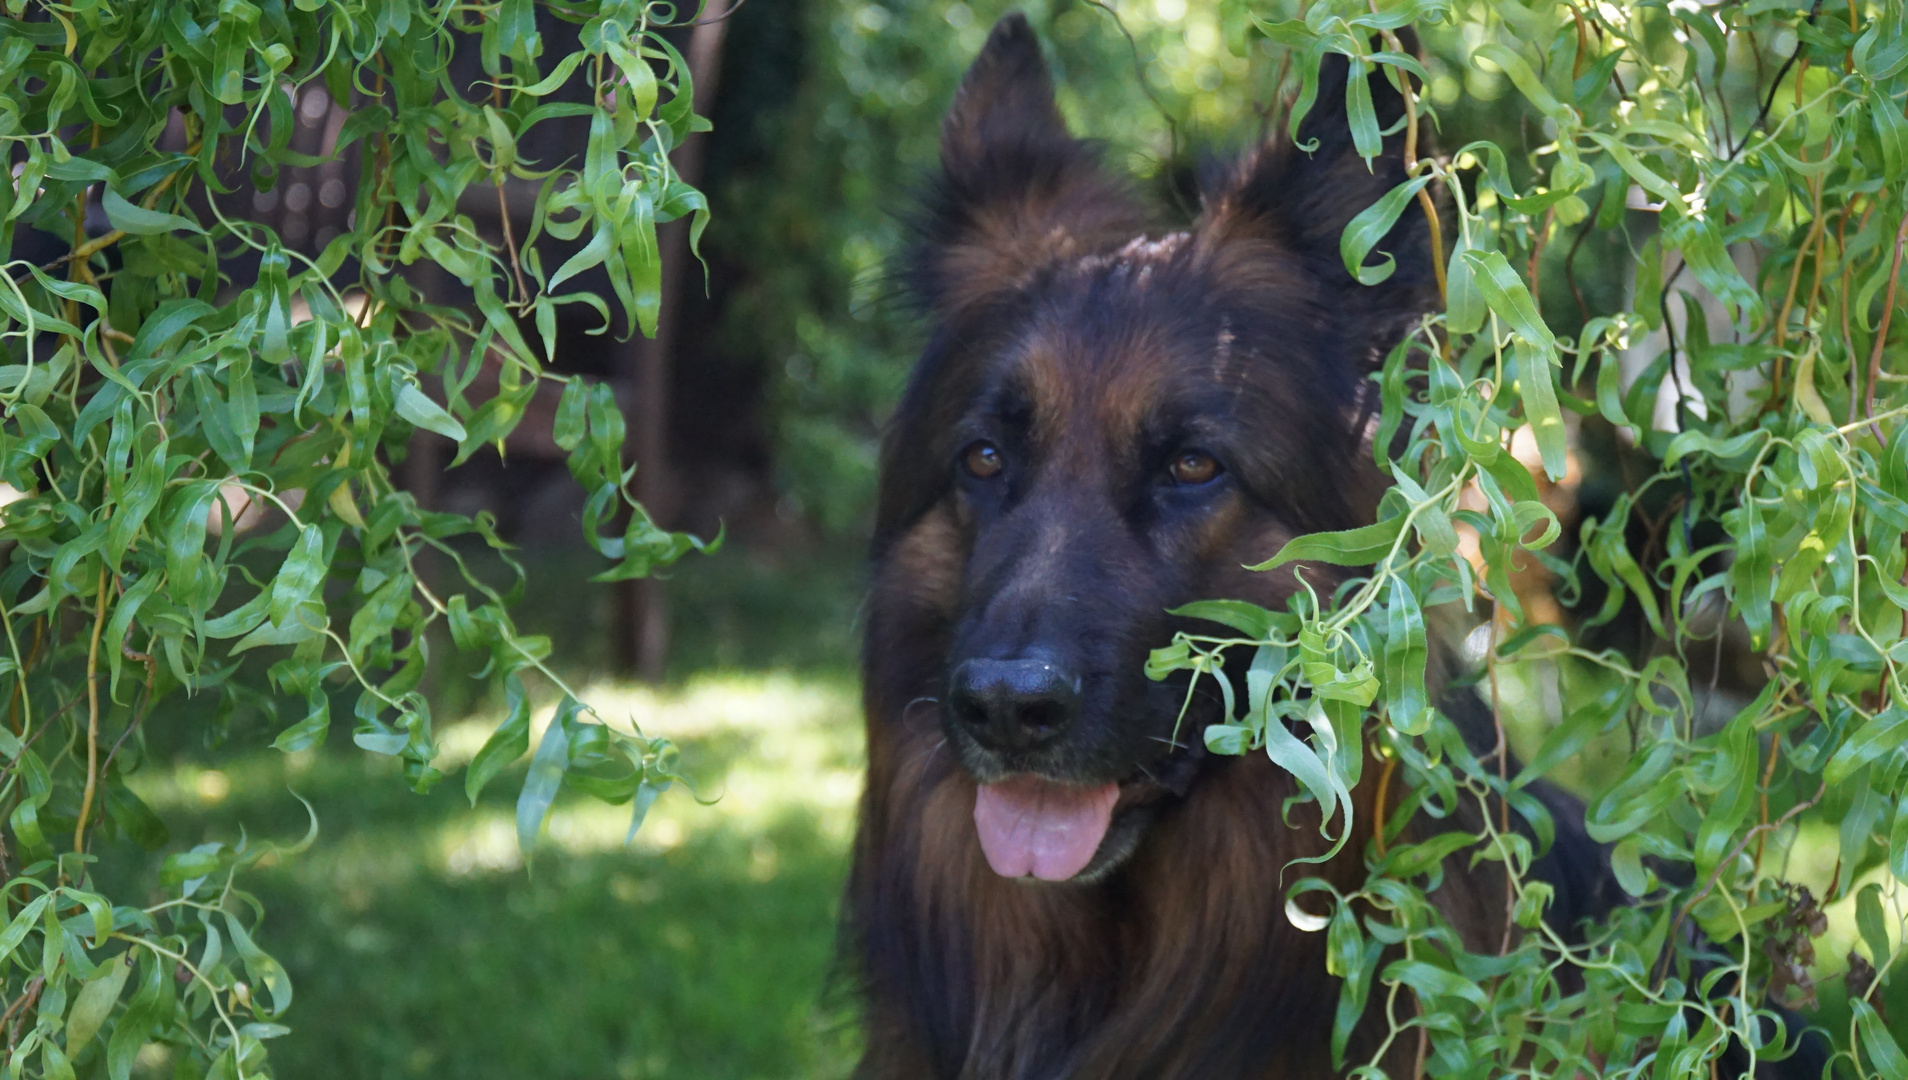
x=419, y=945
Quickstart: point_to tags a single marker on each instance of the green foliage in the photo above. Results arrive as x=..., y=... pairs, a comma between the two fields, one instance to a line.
x=1763, y=143
x=197, y=465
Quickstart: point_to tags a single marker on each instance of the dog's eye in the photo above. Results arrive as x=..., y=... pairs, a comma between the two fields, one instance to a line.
x=983, y=460
x=1193, y=468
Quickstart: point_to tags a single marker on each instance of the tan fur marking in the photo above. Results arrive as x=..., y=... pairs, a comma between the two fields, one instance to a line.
x=924, y=570
x=1132, y=391
x=1087, y=407
x=1007, y=244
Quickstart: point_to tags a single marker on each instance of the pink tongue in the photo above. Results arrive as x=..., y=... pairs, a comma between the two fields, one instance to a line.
x=1033, y=826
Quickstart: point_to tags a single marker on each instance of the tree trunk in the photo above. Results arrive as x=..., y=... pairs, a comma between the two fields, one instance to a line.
x=642, y=616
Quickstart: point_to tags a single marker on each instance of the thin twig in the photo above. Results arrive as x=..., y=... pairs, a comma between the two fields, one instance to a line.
x=1815, y=285
x=98, y=244
x=1881, y=332
x=1425, y=202
x=152, y=667
x=1781, y=72
x=1139, y=65
x=19, y=682
x=1424, y=1046
x=503, y=205
x=1669, y=940
x=1502, y=753
x=1537, y=258
x=1570, y=268
x=1854, y=27
x=510, y=242
x=733, y=8
x=1378, y=804
x=1795, y=272
x=92, y=714
x=1583, y=44
x=24, y=1003
x=1848, y=270
x=1768, y=778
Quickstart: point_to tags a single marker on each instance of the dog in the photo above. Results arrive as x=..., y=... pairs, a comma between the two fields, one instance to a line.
x=1110, y=420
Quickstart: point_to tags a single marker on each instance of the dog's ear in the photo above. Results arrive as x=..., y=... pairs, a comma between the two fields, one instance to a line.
x=1016, y=191
x=1301, y=200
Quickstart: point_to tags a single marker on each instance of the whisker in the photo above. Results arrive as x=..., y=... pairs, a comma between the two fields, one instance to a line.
x=928, y=758
x=1169, y=742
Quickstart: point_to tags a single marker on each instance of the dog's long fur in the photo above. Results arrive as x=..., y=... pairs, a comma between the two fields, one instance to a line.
x=1090, y=350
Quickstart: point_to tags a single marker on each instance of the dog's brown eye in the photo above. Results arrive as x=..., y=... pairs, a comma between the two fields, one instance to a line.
x=982, y=461
x=1193, y=467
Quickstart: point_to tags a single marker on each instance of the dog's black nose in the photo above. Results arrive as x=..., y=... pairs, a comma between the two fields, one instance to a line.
x=1013, y=704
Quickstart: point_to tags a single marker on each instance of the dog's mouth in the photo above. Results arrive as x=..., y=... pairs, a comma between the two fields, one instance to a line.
x=1032, y=826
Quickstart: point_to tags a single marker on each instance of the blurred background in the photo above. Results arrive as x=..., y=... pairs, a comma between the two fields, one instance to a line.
x=704, y=950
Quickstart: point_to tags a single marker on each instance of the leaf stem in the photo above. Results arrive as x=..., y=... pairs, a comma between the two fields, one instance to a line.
x=1369, y=591
x=20, y=696
x=185, y=962
x=1795, y=272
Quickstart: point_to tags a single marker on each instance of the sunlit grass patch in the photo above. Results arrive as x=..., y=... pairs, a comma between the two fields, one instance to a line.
x=421, y=945
x=759, y=749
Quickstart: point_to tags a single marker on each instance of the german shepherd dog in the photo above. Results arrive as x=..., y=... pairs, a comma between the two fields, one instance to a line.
x=1108, y=422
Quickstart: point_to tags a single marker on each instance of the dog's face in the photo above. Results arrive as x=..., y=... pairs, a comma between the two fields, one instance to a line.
x=1112, y=422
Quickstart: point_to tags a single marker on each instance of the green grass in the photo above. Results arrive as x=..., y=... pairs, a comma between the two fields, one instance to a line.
x=420, y=946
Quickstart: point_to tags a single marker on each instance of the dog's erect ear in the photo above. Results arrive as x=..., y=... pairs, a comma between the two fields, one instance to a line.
x=1017, y=191
x=1302, y=200
x=1005, y=103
